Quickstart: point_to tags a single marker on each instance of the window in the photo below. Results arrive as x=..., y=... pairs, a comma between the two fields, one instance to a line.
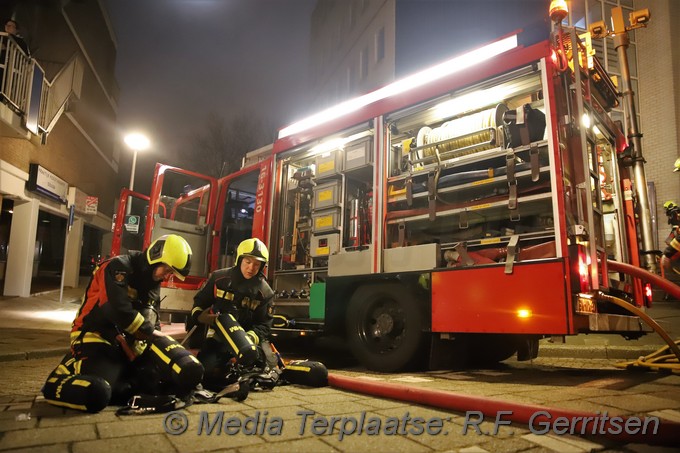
x=363, y=63
x=380, y=45
x=352, y=15
x=352, y=78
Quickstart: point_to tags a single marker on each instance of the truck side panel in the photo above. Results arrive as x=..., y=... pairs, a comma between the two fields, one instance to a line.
x=487, y=300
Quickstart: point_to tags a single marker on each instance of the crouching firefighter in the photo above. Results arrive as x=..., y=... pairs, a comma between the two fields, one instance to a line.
x=117, y=349
x=236, y=305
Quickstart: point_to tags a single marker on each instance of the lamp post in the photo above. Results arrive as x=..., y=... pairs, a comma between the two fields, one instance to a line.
x=136, y=142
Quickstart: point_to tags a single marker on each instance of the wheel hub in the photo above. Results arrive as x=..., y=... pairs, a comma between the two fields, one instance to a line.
x=383, y=325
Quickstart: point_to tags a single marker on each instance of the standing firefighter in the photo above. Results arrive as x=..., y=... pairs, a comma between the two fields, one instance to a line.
x=672, y=252
x=116, y=348
x=236, y=303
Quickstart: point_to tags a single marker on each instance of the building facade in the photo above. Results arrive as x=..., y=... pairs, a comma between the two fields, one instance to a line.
x=360, y=45
x=59, y=164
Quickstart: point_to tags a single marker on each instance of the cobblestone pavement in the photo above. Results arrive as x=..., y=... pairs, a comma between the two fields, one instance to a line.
x=579, y=376
x=275, y=420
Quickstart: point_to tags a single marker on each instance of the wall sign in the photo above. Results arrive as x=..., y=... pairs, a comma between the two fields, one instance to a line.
x=91, y=205
x=44, y=182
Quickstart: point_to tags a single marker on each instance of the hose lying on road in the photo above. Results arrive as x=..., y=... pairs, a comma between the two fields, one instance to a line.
x=660, y=359
x=668, y=433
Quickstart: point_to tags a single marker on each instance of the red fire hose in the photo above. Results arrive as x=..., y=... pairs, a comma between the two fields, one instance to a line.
x=642, y=274
x=668, y=433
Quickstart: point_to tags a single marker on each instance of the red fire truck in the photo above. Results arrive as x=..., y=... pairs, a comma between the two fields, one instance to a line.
x=455, y=216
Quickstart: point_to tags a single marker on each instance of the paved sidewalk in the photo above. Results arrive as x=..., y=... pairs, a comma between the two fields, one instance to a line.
x=37, y=326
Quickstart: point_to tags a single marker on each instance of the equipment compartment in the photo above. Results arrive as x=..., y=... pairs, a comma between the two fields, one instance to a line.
x=473, y=170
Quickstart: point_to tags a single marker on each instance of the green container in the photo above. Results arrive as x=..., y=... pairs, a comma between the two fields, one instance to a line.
x=317, y=301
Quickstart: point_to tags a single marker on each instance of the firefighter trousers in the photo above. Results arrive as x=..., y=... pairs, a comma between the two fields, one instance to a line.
x=95, y=374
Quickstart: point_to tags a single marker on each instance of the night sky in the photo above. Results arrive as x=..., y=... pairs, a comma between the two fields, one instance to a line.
x=178, y=60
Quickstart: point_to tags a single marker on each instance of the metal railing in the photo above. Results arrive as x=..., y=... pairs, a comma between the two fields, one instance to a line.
x=22, y=79
x=15, y=72
x=55, y=94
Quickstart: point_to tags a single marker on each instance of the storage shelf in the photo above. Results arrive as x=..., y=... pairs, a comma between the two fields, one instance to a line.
x=523, y=237
x=500, y=206
x=469, y=185
x=468, y=159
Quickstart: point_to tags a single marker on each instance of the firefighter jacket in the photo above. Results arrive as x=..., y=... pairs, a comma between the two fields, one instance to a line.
x=248, y=300
x=672, y=252
x=120, y=297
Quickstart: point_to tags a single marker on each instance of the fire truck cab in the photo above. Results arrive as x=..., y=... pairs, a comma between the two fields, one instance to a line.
x=455, y=216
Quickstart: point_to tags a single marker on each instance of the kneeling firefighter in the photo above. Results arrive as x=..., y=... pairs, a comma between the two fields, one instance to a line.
x=117, y=349
x=236, y=304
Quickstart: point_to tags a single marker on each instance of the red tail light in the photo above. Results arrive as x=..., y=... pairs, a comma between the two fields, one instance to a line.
x=583, y=269
x=648, y=294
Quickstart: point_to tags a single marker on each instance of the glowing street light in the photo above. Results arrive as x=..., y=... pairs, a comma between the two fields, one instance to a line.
x=136, y=142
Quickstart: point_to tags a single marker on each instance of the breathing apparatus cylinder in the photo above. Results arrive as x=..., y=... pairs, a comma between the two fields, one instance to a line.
x=87, y=393
x=227, y=329
x=184, y=369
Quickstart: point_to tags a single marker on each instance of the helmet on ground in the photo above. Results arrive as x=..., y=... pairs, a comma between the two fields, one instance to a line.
x=677, y=164
x=254, y=248
x=172, y=250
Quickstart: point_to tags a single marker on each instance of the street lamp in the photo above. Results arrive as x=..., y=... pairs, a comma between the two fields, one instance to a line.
x=136, y=141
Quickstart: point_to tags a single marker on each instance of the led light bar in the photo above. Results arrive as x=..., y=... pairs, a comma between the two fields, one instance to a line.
x=431, y=74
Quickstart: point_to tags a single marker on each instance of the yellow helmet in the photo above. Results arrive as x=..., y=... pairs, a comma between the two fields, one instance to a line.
x=677, y=164
x=172, y=250
x=669, y=206
x=255, y=248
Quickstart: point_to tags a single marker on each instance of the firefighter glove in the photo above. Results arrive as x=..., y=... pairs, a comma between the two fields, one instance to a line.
x=207, y=317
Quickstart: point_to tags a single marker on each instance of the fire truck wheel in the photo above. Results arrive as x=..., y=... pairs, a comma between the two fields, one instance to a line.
x=385, y=327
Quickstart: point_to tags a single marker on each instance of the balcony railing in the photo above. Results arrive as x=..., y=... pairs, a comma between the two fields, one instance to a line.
x=15, y=73
x=25, y=90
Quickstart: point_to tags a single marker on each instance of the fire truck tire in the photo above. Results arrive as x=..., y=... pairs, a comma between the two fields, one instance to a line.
x=385, y=327
x=489, y=349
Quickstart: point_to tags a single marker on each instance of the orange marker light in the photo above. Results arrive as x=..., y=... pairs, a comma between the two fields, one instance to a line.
x=524, y=313
x=558, y=10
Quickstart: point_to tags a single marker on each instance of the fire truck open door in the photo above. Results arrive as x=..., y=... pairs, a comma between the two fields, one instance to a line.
x=242, y=211
x=182, y=202
x=129, y=222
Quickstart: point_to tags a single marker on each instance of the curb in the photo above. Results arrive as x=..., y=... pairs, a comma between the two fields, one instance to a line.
x=596, y=352
x=545, y=351
x=35, y=354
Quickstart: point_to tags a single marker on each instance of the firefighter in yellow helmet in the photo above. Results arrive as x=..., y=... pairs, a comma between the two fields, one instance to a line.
x=117, y=349
x=236, y=305
x=672, y=211
x=672, y=251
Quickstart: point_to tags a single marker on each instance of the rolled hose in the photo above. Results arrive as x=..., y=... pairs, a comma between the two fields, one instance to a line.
x=668, y=432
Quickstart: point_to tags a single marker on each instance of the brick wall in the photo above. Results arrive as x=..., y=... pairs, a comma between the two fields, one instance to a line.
x=659, y=72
